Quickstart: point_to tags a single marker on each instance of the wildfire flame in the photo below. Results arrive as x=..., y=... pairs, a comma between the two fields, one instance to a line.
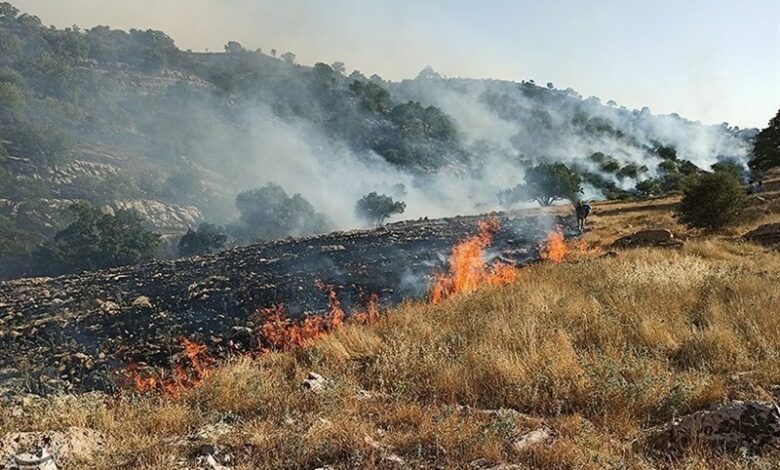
x=555, y=248
x=194, y=366
x=468, y=269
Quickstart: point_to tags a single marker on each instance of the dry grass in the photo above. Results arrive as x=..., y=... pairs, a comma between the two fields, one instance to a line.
x=598, y=350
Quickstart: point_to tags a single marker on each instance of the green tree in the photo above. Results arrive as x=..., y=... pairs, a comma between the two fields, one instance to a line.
x=288, y=57
x=766, y=147
x=732, y=169
x=234, y=47
x=711, y=201
x=267, y=213
x=649, y=187
x=550, y=182
x=372, y=97
x=207, y=238
x=97, y=240
x=378, y=207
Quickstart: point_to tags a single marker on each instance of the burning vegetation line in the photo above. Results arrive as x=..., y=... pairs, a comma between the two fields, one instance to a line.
x=467, y=271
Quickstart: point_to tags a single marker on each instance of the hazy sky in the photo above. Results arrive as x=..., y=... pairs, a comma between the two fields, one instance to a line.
x=708, y=60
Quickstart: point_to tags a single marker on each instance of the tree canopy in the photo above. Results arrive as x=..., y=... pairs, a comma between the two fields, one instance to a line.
x=207, y=238
x=376, y=208
x=766, y=147
x=711, y=201
x=550, y=182
x=97, y=240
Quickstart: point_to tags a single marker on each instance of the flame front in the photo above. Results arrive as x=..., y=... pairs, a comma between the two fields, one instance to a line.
x=194, y=366
x=555, y=248
x=468, y=269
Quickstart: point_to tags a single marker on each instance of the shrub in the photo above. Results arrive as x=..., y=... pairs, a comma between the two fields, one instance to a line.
x=712, y=201
x=96, y=240
x=208, y=238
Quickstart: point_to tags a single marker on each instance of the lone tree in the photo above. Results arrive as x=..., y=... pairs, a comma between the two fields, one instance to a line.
x=550, y=182
x=208, y=238
x=268, y=212
x=378, y=207
x=711, y=201
x=766, y=147
x=97, y=240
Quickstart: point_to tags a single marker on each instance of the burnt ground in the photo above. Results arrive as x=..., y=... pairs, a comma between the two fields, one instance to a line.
x=75, y=332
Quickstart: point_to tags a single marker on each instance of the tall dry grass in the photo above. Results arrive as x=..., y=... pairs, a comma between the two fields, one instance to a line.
x=598, y=350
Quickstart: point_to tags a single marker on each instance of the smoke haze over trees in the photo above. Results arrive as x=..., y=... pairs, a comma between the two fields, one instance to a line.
x=128, y=120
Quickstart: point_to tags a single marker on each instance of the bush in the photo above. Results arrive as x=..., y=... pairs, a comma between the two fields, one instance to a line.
x=378, y=207
x=206, y=239
x=96, y=240
x=712, y=201
x=267, y=213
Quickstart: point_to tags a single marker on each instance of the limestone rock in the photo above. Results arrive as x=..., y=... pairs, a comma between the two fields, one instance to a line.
x=315, y=382
x=530, y=439
x=65, y=446
x=747, y=425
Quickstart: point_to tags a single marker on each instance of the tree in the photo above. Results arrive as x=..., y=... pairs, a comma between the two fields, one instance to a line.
x=97, y=240
x=234, y=47
x=549, y=182
x=378, y=207
x=288, y=57
x=766, y=147
x=735, y=170
x=208, y=238
x=268, y=213
x=372, y=97
x=339, y=67
x=649, y=187
x=711, y=201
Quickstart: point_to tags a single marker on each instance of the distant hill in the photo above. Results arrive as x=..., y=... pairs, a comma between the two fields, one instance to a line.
x=126, y=119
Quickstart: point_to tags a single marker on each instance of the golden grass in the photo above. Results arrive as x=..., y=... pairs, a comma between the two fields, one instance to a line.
x=598, y=350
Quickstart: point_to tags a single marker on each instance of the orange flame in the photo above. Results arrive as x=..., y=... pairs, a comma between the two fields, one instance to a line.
x=188, y=372
x=555, y=248
x=468, y=269
x=371, y=314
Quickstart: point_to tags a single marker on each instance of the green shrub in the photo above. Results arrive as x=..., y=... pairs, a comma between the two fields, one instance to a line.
x=712, y=201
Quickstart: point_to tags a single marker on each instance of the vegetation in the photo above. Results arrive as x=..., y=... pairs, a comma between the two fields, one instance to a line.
x=376, y=208
x=598, y=351
x=268, y=213
x=97, y=240
x=546, y=183
x=766, y=147
x=207, y=238
x=712, y=201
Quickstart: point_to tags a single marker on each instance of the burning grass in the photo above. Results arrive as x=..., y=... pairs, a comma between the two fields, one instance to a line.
x=597, y=351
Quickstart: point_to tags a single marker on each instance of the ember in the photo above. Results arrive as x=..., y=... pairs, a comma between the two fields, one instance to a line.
x=468, y=269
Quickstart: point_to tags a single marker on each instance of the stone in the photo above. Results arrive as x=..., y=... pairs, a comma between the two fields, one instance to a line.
x=649, y=238
x=530, y=439
x=142, y=301
x=71, y=444
x=109, y=307
x=767, y=235
x=315, y=382
x=734, y=425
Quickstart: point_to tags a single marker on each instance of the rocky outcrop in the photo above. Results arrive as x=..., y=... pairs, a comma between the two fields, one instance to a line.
x=736, y=425
x=649, y=238
x=50, y=449
x=767, y=235
x=165, y=217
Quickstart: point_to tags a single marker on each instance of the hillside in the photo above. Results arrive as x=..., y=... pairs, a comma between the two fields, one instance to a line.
x=574, y=365
x=128, y=120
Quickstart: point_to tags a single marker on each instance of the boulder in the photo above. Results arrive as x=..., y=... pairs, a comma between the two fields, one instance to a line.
x=736, y=425
x=531, y=439
x=315, y=382
x=767, y=235
x=645, y=238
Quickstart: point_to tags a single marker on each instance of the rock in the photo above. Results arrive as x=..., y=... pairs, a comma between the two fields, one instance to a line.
x=109, y=307
x=65, y=446
x=530, y=439
x=315, y=382
x=387, y=454
x=142, y=301
x=645, y=238
x=767, y=235
x=735, y=425
x=42, y=460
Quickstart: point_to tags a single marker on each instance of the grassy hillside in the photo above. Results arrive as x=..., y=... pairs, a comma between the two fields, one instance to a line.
x=596, y=351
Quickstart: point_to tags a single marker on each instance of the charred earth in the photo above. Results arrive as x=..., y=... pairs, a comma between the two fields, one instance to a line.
x=77, y=332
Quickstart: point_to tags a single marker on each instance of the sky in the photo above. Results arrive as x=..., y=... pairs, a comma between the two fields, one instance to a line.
x=708, y=60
